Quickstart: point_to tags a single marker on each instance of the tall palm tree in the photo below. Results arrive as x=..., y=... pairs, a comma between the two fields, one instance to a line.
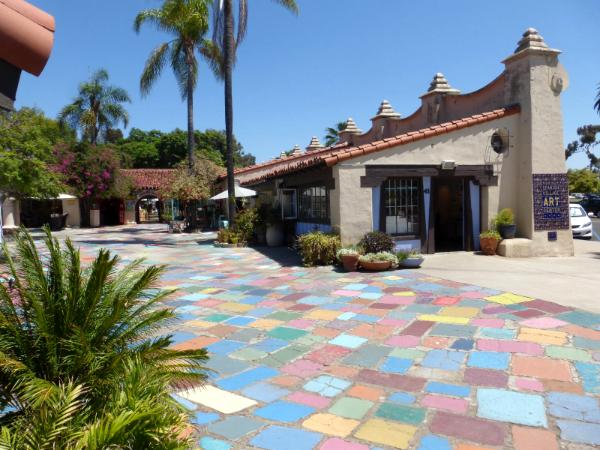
x=223, y=56
x=97, y=108
x=187, y=22
x=597, y=104
x=332, y=135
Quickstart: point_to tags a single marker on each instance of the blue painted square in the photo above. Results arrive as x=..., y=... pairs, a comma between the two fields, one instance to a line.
x=203, y=418
x=444, y=359
x=510, y=406
x=590, y=373
x=251, y=300
x=396, y=365
x=270, y=345
x=366, y=318
x=265, y=392
x=240, y=321
x=346, y=316
x=208, y=443
x=184, y=402
x=182, y=336
x=225, y=347
x=572, y=406
x=402, y=398
x=431, y=442
x=355, y=287
x=348, y=341
x=498, y=333
x=193, y=297
x=435, y=387
x=371, y=295
x=260, y=312
x=489, y=360
x=462, y=344
x=279, y=438
x=283, y=411
x=327, y=385
x=247, y=378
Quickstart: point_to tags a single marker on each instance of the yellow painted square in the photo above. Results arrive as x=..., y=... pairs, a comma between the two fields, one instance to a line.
x=322, y=314
x=404, y=294
x=393, y=278
x=444, y=319
x=459, y=311
x=387, y=433
x=330, y=424
x=235, y=307
x=199, y=324
x=542, y=336
x=266, y=324
x=508, y=299
x=209, y=290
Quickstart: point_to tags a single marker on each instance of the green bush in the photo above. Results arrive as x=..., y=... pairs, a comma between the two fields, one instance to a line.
x=82, y=361
x=318, y=248
x=347, y=251
x=505, y=217
x=246, y=222
x=490, y=234
x=229, y=236
x=375, y=242
x=380, y=257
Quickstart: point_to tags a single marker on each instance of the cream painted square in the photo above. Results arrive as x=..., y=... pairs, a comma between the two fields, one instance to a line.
x=215, y=398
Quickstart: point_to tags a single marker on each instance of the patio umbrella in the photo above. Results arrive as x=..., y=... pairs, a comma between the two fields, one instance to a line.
x=239, y=192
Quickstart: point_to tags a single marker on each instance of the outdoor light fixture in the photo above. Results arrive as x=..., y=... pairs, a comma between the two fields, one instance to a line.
x=448, y=165
x=497, y=143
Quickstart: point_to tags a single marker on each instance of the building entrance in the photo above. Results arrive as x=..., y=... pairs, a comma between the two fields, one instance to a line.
x=449, y=212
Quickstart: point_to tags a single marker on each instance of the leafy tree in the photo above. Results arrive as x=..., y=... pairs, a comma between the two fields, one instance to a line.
x=194, y=186
x=588, y=140
x=333, y=133
x=97, y=108
x=26, y=141
x=139, y=154
x=81, y=364
x=187, y=21
x=221, y=55
x=583, y=181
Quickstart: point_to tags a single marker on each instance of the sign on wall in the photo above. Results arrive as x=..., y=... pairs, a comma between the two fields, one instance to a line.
x=550, y=201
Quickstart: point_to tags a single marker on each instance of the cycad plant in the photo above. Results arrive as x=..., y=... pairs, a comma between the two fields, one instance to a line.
x=82, y=360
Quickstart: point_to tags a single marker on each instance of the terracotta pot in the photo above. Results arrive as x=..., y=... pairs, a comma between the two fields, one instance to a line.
x=489, y=245
x=350, y=262
x=375, y=265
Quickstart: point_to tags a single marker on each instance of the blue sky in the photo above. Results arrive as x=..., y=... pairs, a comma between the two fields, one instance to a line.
x=339, y=58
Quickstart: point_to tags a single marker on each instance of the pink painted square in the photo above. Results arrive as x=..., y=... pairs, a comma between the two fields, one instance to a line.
x=393, y=322
x=405, y=341
x=473, y=294
x=457, y=405
x=340, y=444
x=446, y=301
x=303, y=324
x=347, y=293
x=394, y=300
x=529, y=384
x=488, y=323
x=208, y=302
x=543, y=323
x=302, y=368
x=316, y=401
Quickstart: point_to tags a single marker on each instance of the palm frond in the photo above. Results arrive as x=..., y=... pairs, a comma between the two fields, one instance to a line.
x=153, y=68
x=290, y=5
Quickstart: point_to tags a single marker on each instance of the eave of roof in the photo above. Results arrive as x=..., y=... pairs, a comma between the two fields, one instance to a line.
x=149, y=178
x=330, y=156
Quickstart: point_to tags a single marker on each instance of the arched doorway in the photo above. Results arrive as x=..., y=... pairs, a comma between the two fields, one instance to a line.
x=148, y=209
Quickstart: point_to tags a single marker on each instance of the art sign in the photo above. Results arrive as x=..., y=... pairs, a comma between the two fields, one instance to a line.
x=550, y=201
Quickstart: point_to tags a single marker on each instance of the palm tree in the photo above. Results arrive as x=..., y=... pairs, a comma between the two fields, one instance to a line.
x=187, y=22
x=97, y=108
x=597, y=104
x=222, y=56
x=332, y=135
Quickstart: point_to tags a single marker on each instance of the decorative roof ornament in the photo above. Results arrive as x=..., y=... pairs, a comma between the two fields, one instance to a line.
x=531, y=39
x=440, y=85
x=296, y=151
x=351, y=127
x=386, y=110
x=282, y=155
x=314, y=144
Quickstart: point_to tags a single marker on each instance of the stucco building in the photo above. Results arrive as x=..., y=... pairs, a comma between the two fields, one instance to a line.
x=436, y=178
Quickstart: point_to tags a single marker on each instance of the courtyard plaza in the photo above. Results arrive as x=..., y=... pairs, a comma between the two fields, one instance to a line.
x=316, y=358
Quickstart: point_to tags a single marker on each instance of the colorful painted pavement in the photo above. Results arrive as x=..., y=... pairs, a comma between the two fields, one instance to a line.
x=314, y=358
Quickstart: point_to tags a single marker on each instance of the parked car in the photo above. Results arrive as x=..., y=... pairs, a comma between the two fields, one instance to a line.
x=591, y=203
x=580, y=222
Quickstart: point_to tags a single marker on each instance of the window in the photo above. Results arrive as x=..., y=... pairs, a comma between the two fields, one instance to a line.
x=314, y=204
x=288, y=203
x=401, y=206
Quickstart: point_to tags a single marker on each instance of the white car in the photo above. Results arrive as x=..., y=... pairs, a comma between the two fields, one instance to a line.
x=580, y=222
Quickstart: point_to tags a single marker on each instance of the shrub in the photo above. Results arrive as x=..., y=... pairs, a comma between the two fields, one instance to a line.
x=82, y=361
x=490, y=234
x=228, y=236
x=318, y=248
x=505, y=217
x=380, y=257
x=246, y=222
x=347, y=251
x=375, y=242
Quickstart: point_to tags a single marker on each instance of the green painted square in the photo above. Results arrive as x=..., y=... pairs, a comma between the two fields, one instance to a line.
x=401, y=413
x=407, y=353
x=284, y=316
x=283, y=356
x=351, y=408
x=310, y=339
x=248, y=354
x=217, y=317
x=287, y=334
x=572, y=354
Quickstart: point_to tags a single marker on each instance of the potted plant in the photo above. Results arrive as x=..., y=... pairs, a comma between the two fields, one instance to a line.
x=488, y=241
x=349, y=257
x=411, y=259
x=274, y=235
x=505, y=223
x=378, y=261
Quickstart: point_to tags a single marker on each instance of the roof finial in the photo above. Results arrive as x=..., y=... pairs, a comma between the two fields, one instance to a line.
x=351, y=127
x=314, y=144
x=296, y=151
x=531, y=39
x=386, y=110
x=440, y=84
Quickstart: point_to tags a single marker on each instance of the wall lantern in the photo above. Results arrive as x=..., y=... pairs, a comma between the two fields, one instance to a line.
x=497, y=143
x=448, y=165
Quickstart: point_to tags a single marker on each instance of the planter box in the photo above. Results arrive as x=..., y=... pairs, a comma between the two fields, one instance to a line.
x=375, y=265
x=350, y=262
x=412, y=262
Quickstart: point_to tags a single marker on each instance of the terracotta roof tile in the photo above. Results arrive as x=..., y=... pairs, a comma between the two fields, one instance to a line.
x=149, y=179
x=342, y=152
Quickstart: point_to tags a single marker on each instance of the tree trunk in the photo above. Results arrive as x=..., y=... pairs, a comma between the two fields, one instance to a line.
x=84, y=211
x=190, y=130
x=2, y=198
x=229, y=50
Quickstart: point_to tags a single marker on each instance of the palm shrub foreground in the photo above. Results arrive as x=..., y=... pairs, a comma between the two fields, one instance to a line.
x=82, y=361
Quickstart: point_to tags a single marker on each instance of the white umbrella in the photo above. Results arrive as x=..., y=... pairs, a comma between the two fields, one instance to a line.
x=239, y=192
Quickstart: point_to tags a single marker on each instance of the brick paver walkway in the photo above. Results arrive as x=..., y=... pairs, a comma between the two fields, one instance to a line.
x=314, y=358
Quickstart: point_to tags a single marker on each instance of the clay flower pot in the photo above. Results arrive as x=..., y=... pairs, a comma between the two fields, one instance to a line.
x=489, y=245
x=350, y=262
x=375, y=265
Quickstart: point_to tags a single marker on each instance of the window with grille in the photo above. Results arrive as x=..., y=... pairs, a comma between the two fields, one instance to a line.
x=401, y=206
x=314, y=204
